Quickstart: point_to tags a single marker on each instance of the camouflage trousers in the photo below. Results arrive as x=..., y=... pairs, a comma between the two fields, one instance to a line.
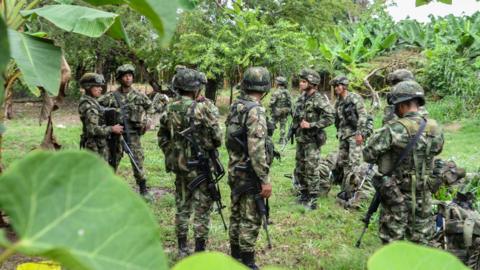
x=349, y=160
x=308, y=170
x=199, y=202
x=137, y=150
x=403, y=217
x=245, y=222
x=99, y=146
x=282, y=120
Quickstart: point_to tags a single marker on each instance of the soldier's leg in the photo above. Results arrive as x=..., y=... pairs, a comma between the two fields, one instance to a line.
x=250, y=224
x=341, y=161
x=312, y=173
x=355, y=158
x=137, y=151
x=202, y=205
x=301, y=173
x=421, y=228
x=183, y=202
x=283, y=125
x=393, y=215
x=325, y=181
x=234, y=227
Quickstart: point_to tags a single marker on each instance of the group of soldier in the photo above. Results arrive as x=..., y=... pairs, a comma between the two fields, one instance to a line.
x=401, y=155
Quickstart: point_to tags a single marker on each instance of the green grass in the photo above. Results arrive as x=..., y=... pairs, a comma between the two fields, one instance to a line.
x=321, y=239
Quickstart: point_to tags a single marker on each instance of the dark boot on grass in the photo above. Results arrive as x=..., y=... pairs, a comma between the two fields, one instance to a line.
x=200, y=244
x=248, y=258
x=182, y=247
x=235, y=252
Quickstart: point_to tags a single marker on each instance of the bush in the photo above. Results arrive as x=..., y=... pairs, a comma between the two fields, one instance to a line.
x=452, y=108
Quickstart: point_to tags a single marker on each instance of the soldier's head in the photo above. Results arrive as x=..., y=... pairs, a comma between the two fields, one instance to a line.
x=93, y=84
x=340, y=83
x=256, y=80
x=281, y=81
x=309, y=79
x=406, y=96
x=188, y=81
x=399, y=75
x=125, y=74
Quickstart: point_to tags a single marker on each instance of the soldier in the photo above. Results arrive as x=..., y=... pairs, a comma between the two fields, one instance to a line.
x=281, y=106
x=201, y=117
x=313, y=113
x=248, y=168
x=404, y=150
x=351, y=124
x=94, y=131
x=393, y=78
x=132, y=107
x=159, y=103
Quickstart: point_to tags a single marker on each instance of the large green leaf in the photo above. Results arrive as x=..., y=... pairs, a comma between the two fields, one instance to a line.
x=4, y=55
x=208, y=261
x=161, y=13
x=81, y=20
x=70, y=206
x=38, y=59
x=408, y=256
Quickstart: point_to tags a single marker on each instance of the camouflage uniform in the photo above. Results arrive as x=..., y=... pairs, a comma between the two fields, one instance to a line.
x=247, y=118
x=281, y=106
x=159, y=104
x=405, y=189
x=350, y=120
x=180, y=115
x=316, y=110
x=94, y=131
x=137, y=106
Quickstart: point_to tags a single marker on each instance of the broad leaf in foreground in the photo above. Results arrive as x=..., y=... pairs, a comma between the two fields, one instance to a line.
x=70, y=207
x=38, y=59
x=81, y=20
x=408, y=256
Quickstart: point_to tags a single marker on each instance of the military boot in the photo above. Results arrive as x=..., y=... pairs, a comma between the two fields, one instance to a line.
x=235, y=252
x=303, y=197
x=200, y=244
x=313, y=202
x=182, y=247
x=248, y=258
x=142, y=187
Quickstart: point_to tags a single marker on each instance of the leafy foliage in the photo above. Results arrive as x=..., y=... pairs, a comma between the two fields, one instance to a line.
x=66, y=207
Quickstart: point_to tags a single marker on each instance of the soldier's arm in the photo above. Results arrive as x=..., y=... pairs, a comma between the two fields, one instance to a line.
x=163, y=135
x=273, y=100
x=147, y=104
x=93, y=127
x=378, y=144
x=362, y=115
x=210, y=121
x=257, y=135
x=328, y=115
x=105, y=100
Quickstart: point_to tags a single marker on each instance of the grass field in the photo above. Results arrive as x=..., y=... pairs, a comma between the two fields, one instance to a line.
x=320, y=239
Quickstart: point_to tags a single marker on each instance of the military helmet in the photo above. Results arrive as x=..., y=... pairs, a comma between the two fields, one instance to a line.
x=400, y=75
x=202, y=77
x=404, y=91
x=280, y=80
x=310, y=76
x=256, y=79
x=91, y=79
x=341, y=79
x=125, y=69
x=187, y=80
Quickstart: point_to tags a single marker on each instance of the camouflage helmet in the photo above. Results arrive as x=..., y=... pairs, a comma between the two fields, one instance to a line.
x=341, y=79
x=310, y=76
x=405, y=91
x=202, y=78
x=125, y=69
x=400, y=75
x=280, y=80
x=187, y=80
x=256, y=79
x=91, y=79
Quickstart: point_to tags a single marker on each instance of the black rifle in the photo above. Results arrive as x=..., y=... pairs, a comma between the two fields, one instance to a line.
x=125, y=138
x=202, y=165
x=377, y=197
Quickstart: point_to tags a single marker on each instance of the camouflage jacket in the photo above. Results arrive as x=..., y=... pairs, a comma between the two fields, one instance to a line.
x=159, y=102
x=94, y=131
x=281, y=102
x=180, y=115
x=387, y=144
x=350, y=116
x=256, y=136
x=137, y=107
x=316, y=110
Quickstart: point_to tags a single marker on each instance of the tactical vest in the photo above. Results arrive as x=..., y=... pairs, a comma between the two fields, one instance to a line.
x=284, y=99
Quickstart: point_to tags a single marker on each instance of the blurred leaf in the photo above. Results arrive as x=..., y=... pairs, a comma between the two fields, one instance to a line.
x=69, y=206
x=81, y=20
x=38, y=59
x=208, y=261
x=405, y=255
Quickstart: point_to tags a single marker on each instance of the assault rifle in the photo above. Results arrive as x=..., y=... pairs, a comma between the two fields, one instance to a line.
x=203, y=166
x=366, y=220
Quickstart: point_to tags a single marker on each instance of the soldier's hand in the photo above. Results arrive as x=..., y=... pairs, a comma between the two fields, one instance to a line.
x=266, y=190
x=304, y=124
x=359, y=139
x=117, y=129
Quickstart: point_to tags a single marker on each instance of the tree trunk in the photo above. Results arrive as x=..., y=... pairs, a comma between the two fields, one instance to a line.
x=211, y=89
